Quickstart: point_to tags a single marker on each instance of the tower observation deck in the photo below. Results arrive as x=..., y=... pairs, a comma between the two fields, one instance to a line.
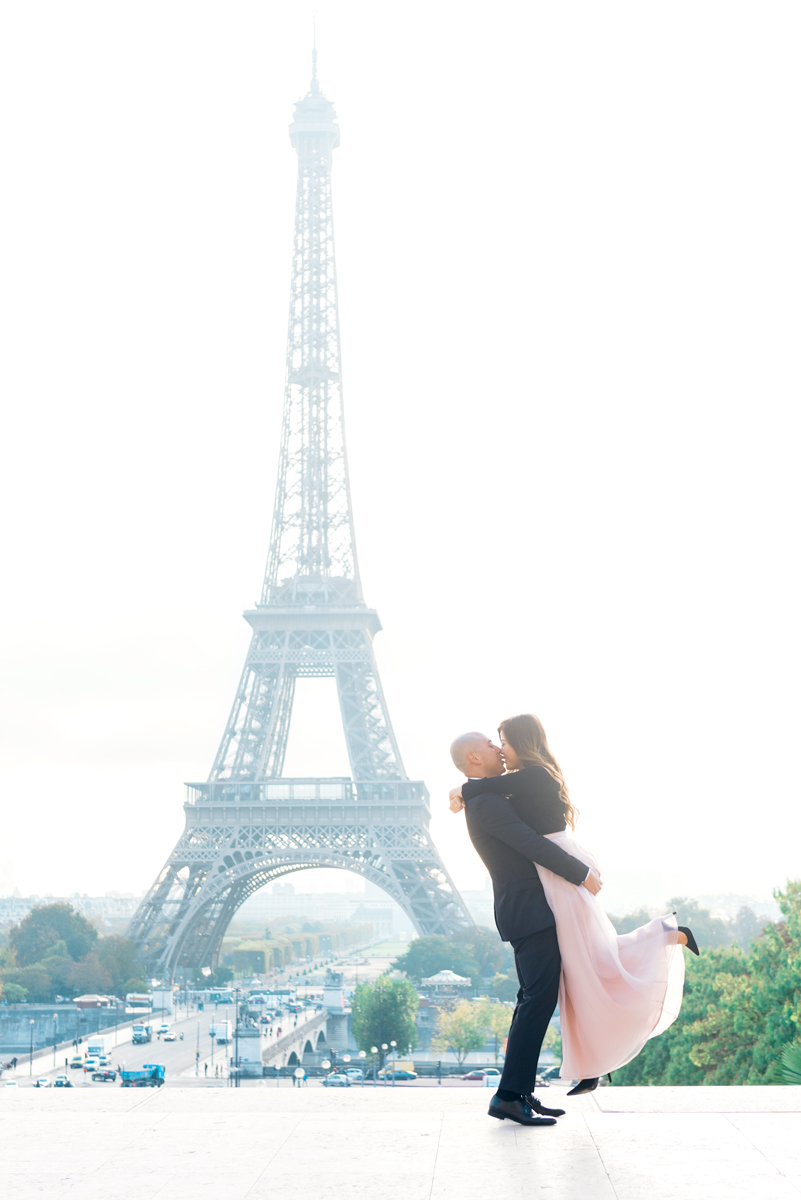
x=248, y=824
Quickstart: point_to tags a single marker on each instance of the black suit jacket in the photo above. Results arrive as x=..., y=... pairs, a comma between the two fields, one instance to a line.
x=509, y=848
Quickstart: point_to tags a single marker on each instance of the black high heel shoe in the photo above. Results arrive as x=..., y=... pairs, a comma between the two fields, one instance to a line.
x=585, y=1085
x=692, y=945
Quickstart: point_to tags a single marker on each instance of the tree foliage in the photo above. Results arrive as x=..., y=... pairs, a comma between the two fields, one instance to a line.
x=490, y=953
x=47, y=924
x=505, y=987
x=462, y=1029
x=428, y=955
x=117, y=955
x=384, y=1011
x=740, y=1010
x=54, y=951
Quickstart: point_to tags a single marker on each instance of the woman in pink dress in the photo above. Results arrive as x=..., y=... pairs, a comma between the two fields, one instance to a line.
x=616, y=990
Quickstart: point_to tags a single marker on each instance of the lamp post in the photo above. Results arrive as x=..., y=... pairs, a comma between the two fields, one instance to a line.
x=30, y=1069
x=385, y=1047
x=363, y=1056
x=394, y=1046
x=55, y=1037
x=236, y=1037
x=374, y=1051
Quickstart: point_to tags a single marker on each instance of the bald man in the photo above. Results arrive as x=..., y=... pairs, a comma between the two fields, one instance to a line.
x=509, y=848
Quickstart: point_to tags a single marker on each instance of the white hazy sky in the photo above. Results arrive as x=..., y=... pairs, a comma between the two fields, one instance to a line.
x=568, y=248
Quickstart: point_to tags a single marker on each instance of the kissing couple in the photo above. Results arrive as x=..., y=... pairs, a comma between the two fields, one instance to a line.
x=615, y=991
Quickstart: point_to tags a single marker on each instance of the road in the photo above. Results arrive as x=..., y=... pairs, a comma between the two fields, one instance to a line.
x=180, y=1058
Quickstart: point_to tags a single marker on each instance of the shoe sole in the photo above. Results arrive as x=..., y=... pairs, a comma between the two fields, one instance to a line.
x=542, y=1123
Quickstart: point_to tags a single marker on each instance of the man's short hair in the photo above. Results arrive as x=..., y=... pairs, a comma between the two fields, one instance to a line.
x=464, y=745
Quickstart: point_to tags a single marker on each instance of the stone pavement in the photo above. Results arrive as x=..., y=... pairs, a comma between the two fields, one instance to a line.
x=405, y=1143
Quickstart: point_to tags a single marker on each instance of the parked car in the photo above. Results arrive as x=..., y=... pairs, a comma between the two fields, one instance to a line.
x=399, y=1074
x=76, y=1063
x=336, y=1080
x=107, y=1076
x=355, y=1075
x=43, y=1082
x=62, y=1081
x=11, y=1083
x=550, y=1073
x=170, y=1037
x=490, y=1072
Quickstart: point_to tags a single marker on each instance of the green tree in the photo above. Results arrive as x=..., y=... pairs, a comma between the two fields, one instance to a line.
x=462, y=1029
x=490, y=953
x=504, y=987
x=134, y=985
x=47, y=924
x=632, y=920
x=710, y=932
x=747, y=927
x=89, y=975
x=428, y=955
x=496, y=1018
x=385, y=1011
x=35, y=982
x=14, y=993
x=738, y=1013
x=118, y=955
x=59, y=966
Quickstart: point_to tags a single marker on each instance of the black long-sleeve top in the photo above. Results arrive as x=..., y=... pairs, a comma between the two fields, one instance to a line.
x=535, y=787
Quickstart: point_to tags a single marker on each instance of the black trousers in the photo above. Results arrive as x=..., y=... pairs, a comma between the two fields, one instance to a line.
x=539, y=965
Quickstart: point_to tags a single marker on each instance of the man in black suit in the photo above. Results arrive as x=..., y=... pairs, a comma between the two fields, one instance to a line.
x=509, y=848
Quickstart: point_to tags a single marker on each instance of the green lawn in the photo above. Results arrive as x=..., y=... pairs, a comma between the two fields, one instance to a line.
x=386, y=950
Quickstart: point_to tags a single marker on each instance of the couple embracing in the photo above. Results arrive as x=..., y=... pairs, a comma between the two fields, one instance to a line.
x=614, y=991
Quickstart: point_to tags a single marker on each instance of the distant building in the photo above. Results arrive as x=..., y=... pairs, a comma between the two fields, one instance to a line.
x=116, y=907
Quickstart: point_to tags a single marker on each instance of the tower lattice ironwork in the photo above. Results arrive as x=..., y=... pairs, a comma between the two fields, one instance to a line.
x=249, y=825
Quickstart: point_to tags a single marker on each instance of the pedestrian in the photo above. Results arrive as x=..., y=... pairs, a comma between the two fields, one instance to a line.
x=205, y=1069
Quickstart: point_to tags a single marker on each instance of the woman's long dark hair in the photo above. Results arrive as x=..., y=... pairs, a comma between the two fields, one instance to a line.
x=526, y=736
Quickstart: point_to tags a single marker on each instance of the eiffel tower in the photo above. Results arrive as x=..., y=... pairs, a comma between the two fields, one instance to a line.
x=249, y=825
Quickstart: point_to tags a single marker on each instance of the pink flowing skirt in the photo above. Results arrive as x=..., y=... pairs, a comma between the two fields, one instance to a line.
x=616, y=990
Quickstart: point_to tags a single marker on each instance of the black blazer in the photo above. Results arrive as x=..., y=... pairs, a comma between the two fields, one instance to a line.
x=509, y=848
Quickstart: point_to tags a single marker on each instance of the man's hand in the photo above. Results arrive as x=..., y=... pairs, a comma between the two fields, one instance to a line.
x=456, y=802
x=593, y=882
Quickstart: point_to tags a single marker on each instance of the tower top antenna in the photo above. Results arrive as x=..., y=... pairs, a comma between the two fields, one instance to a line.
x=315, y=87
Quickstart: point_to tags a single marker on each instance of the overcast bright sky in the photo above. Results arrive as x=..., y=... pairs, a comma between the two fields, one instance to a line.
x=568, y=251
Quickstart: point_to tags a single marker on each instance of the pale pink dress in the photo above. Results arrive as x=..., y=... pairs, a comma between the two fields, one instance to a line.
x=616, y=990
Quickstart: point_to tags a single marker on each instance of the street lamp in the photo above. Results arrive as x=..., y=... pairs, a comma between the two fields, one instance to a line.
x=394, y=1046
x=55, y=1037
x=30, y=1069
x=363, y=1056
x=385, y=1047
x=374, y=1051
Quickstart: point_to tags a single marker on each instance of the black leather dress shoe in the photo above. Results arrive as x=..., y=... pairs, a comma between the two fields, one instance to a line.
x=517, y=1110
x=583, y=1085
x=540, y=1108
